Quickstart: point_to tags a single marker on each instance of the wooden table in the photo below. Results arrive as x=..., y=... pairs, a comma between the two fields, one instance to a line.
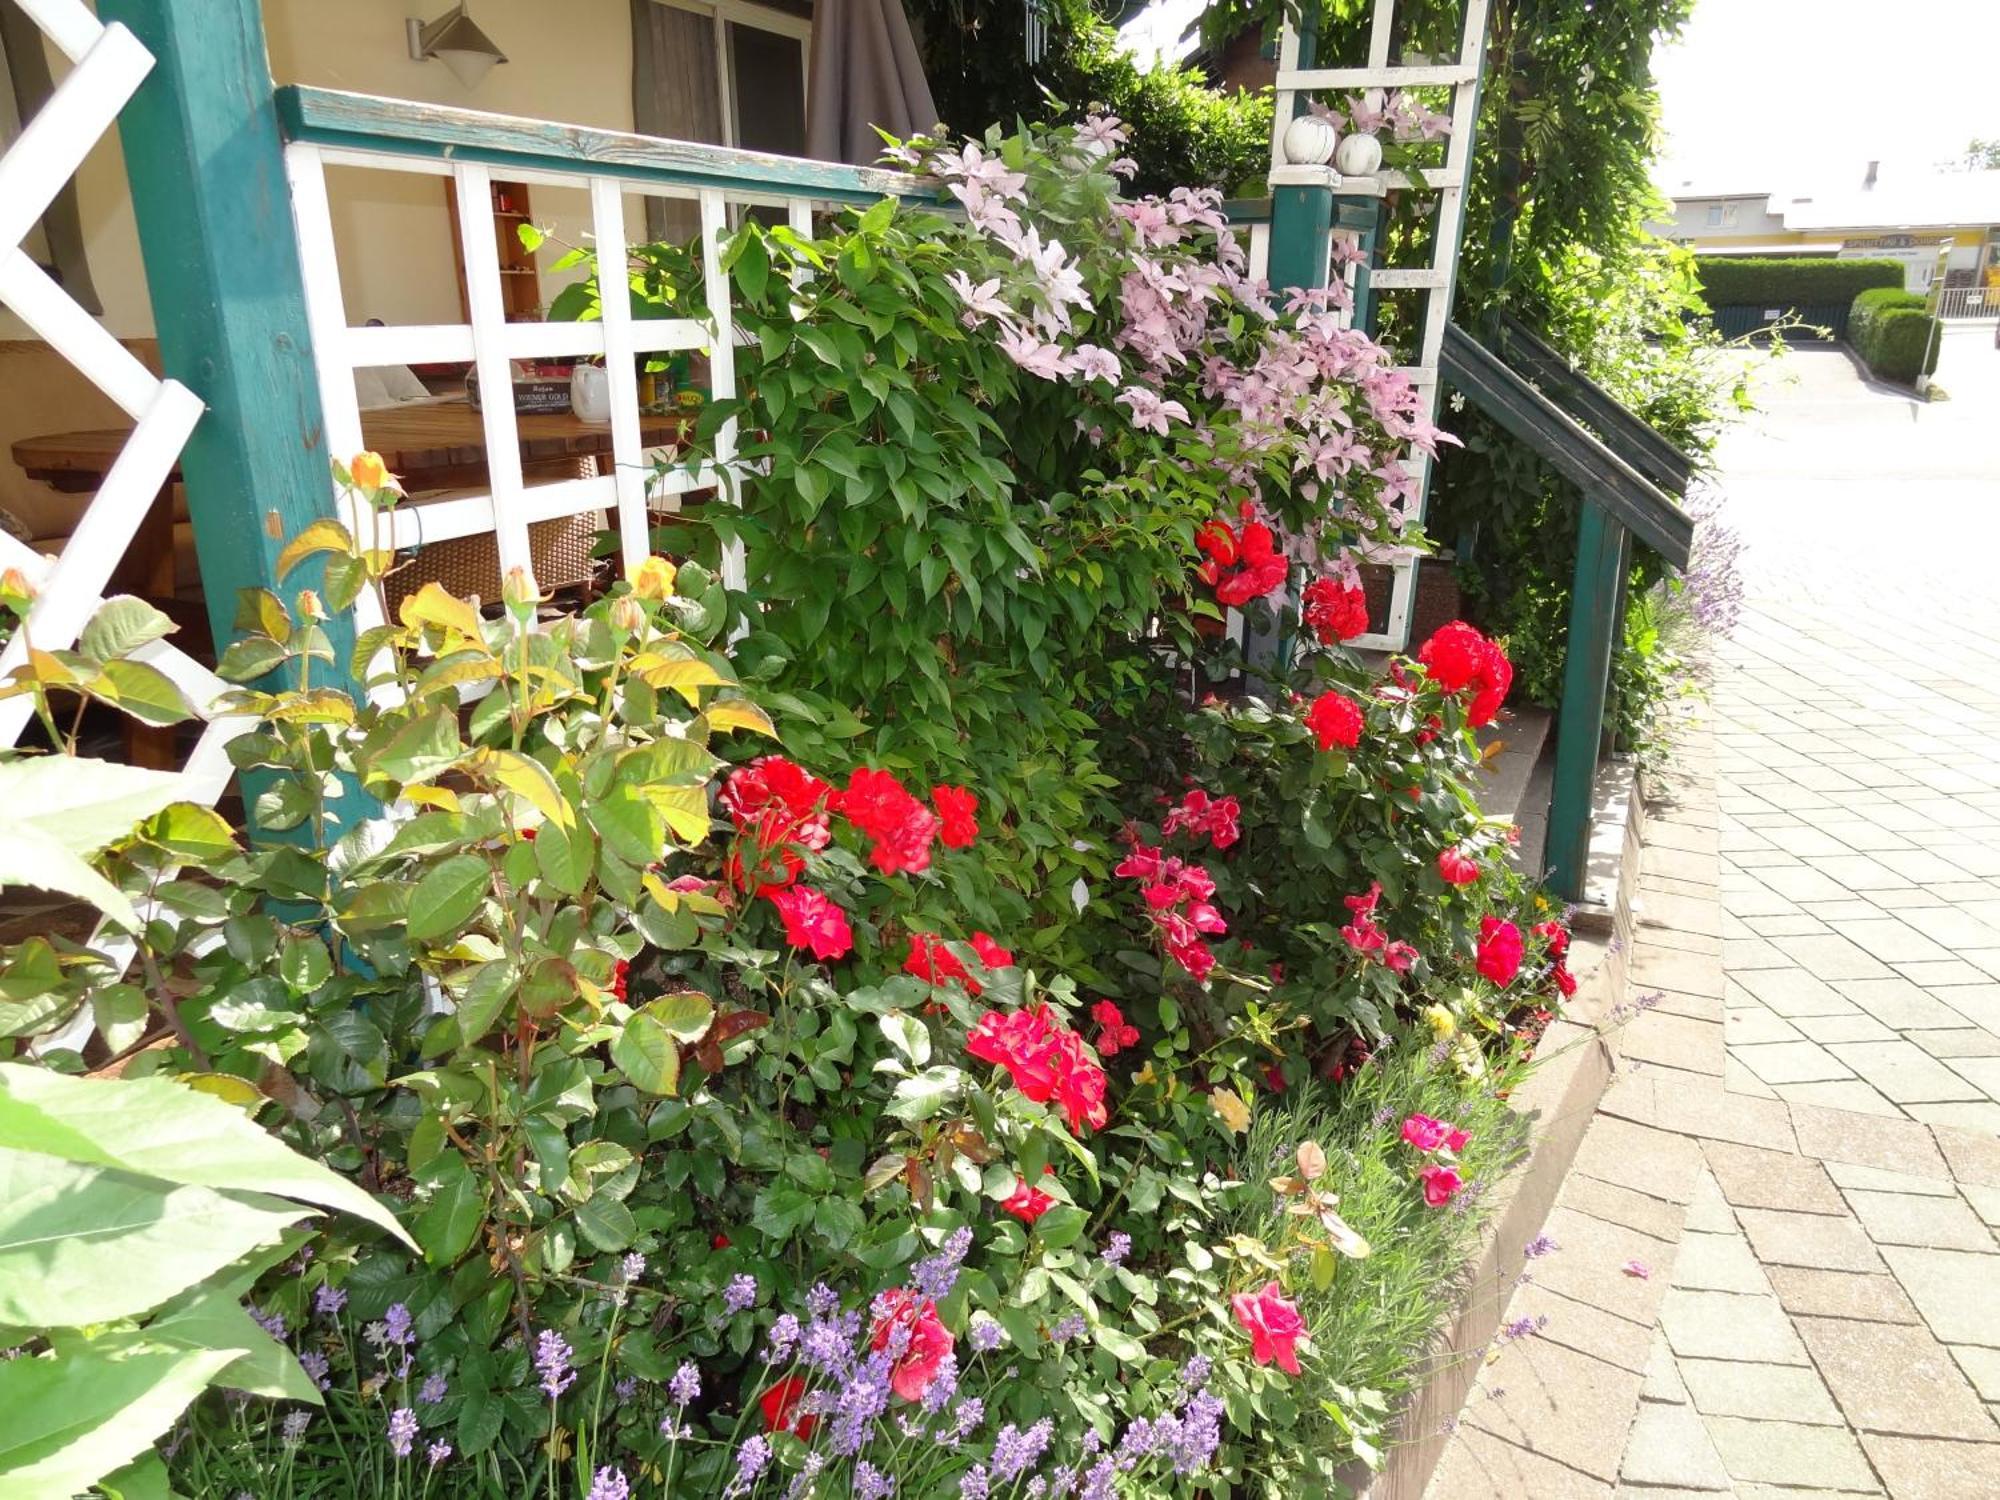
x=432, y=445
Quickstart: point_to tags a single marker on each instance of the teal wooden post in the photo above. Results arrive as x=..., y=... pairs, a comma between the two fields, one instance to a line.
x=1601, y=542
x=222, y=265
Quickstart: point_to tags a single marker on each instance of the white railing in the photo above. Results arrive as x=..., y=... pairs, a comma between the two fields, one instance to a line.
x=109, y=63
x=329, y=129
x=1968, y=302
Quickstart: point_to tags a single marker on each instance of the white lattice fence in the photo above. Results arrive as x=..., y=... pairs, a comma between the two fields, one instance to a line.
x=109, y=66
x=636, y=484
x=1461, y=75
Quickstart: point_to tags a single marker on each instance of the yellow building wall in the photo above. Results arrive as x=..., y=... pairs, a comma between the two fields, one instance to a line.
x=570, y=61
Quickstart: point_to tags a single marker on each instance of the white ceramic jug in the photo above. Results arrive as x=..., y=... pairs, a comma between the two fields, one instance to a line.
x=590, y=393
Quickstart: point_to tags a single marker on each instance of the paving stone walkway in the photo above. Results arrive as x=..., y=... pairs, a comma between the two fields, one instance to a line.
x=1778, y=1262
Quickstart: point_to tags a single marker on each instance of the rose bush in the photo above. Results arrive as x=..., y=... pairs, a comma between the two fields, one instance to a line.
x=834, y=1063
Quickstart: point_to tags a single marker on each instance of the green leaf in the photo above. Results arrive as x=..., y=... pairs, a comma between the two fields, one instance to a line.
x=908, y=1035
x=145, y=1478
x=564, y=856
x=921, y=1097
x=451, y=1218
x=82, y=804
x=447, y=896
x=155, y=1127
x=122, y=624
x=250, y=657
x=686, y=1014
x=484, y=997
x=304, y=964
x=31, y=857
x=418, y=750
x=73, y=1420
x=323, y=535
x=84, y=1244
x=646, y=1052
x=607, y=1223
x=212, y=1317
x=197, y=835
x=144, y=692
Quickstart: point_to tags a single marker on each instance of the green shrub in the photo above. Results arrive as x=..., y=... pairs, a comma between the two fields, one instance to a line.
x=1893, y=332
x=1738, y=281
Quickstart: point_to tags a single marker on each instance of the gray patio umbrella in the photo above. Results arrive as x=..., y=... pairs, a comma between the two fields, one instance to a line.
x=864, y=71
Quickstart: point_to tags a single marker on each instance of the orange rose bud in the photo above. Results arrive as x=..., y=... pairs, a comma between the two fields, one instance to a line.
x=369, y=472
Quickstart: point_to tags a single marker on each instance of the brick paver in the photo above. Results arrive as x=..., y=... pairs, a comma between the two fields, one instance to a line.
x=1787, y=1203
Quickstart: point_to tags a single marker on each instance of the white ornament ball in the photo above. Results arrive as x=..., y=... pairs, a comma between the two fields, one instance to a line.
x=1309, y=141
x=1359, y=155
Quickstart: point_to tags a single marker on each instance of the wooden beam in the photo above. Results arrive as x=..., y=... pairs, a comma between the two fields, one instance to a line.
x=1603, y=477
x=1601, y=552
x=402, y=127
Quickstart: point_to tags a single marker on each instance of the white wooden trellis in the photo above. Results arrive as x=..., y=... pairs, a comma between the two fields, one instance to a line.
x=109, y=63
x=1437, y=280
x=489, y=342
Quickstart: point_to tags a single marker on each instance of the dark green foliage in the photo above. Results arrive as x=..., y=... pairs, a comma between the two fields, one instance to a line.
x=1738, y=280
x=1184, y=133
x=1894, y=333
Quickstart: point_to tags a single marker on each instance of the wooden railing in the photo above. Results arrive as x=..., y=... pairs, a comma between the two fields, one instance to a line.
x=1619, y=502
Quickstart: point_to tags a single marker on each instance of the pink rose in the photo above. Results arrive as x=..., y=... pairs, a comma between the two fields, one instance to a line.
x=1423, y=1132
x=1499, y=956
x=1274, y=1326
x=930, y=1341
x=1456, y=867
x=1441, y=1185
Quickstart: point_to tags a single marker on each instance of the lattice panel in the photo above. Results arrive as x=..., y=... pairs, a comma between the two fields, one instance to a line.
x=109, y=63
x=489, y=342
x=1435, y=282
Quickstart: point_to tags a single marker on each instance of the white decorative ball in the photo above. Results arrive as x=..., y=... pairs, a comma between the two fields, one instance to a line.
x=1359, y=155
x=1309, y=141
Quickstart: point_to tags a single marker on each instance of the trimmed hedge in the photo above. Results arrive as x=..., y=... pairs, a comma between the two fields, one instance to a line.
x=1739, y=281
x=1892, y=331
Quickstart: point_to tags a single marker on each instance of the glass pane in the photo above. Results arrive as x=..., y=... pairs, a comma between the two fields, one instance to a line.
x=768, y=85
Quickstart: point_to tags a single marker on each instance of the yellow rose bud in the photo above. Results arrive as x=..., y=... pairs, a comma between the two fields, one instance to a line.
x=654, y=579
x=627, y=615
x=1443, y=1024
x=309, y=606
x=517, y=592
x=370, y=473
x=15, y=588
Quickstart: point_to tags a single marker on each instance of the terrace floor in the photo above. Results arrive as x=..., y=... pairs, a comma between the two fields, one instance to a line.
x=1778, y=1271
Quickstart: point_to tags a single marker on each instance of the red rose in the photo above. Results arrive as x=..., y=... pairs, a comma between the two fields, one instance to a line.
x=958, y=811
x=1499, y=957
x=930, y=1341
x=991, y=953
x=620, y=972
x=1453, y=656
x=812, y=921
x=780, y=1407
x=1334, y=719
x=1495, y=678
x=1114, y=1035
x=899, y=827
x=1456, y=867
x=1274, y=1326
x=1045, y=1060
x=1334, y=611
x=1424, y=1133
x=1441, y=1185
x=1200, y=814
x=1556, y=935
x=1027, y=1204
x=930, y=960
x=720, y=1242
x=1565, y=981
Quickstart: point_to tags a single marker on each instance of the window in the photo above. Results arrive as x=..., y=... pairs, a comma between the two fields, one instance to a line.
x=1714, y=215
x=756, y=56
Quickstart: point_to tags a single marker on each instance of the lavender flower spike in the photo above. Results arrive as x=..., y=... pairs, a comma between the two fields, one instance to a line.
x=610, y=1484
x=437, y=1453
x=685, y=1383
x=402, y=1431
x=552, y=1356
x=739, y=1294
